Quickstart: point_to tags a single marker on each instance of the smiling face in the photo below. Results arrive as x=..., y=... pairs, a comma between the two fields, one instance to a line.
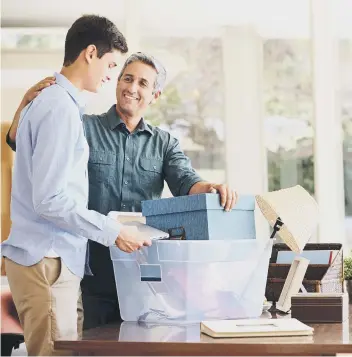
x=99, y=68
x=135, y=89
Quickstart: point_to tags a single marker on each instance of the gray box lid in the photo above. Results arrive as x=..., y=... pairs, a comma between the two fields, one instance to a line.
x=204, y=201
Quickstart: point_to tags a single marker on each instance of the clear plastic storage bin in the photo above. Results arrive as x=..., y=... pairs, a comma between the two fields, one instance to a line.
x=191, y=281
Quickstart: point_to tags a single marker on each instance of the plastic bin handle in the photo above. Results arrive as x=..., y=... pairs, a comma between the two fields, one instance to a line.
x=150, y=272
x=177, y=233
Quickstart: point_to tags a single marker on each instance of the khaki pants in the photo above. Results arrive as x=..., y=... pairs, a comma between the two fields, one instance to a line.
x=48, y=303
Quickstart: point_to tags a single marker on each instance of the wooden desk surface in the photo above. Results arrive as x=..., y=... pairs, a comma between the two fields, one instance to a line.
x=160, y=340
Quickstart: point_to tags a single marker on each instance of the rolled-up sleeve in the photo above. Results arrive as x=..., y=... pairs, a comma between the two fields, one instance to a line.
x=54, y=138
x=179, y=174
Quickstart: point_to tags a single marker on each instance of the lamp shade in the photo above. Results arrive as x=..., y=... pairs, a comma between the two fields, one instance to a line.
x=297, y=212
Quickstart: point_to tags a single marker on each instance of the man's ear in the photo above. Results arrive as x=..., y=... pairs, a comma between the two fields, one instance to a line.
x=155, y=97
x=90, y=53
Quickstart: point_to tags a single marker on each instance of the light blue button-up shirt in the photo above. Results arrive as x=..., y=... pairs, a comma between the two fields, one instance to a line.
x=50, y=184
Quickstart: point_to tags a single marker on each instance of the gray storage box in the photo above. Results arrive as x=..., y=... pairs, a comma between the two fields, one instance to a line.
x=201, y=217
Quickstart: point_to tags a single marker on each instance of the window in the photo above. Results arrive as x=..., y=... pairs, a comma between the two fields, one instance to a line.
x=190, y=107
x=33, y=39
x=288, y=107
x=345, y=66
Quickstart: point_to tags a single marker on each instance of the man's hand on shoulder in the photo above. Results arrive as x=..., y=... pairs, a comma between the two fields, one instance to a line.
x=228, y=197
x=34, y=91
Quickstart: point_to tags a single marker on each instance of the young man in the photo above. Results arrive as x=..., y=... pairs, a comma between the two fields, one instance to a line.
x=129, y=161
x=46, y=250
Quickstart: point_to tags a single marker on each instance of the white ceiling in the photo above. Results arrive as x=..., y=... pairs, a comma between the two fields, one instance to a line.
x=56, y=13
x=273, y=18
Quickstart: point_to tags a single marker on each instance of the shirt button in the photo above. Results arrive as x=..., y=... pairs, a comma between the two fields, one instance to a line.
x=126, y=182
x=154, y=167
x=127, y=158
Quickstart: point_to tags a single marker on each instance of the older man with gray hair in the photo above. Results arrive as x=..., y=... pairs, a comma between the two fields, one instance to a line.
x=128, y=163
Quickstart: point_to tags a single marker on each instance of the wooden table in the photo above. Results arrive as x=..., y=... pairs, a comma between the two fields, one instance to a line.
x=132, y=339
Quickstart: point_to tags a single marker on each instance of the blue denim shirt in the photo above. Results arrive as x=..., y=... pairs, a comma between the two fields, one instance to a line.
x=124, y=169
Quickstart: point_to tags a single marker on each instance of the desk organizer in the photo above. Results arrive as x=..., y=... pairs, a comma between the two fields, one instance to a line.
x=324, y=278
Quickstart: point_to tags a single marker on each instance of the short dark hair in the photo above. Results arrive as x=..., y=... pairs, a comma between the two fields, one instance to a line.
x=93, y=30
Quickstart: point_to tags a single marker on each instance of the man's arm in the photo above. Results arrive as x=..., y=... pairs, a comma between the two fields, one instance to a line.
x=28, y=97
x=11, y=135
x=54, y=136
x=179, y=174
x=183, y=180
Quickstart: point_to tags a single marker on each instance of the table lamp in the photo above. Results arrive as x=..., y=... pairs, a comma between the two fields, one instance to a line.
x=293, y=215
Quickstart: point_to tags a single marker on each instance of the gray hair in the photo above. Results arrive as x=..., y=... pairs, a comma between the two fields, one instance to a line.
x=151, y=61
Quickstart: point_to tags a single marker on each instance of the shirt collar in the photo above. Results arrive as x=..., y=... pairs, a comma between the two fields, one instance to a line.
x=73, y=91
x=115, y=120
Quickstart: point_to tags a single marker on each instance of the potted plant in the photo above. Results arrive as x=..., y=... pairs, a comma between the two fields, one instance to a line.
x=347, y=267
